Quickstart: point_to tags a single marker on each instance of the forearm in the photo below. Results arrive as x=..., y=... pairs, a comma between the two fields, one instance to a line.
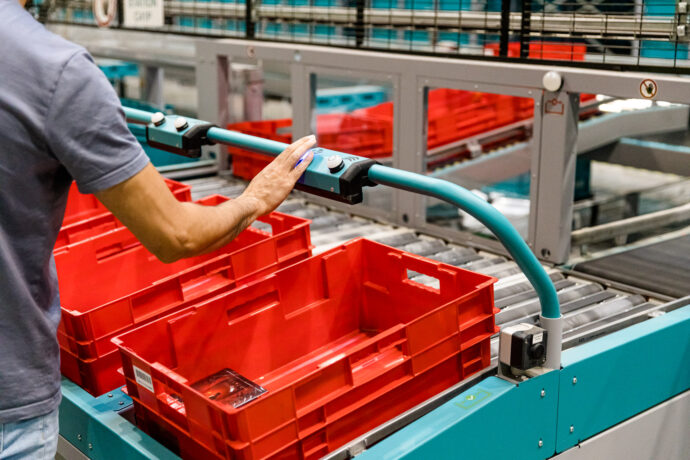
x=204, y=229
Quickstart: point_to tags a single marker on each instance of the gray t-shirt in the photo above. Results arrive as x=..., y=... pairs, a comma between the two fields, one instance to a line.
x=59, y=120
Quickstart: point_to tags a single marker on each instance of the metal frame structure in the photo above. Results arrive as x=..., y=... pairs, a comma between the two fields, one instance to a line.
x=409, y=77
x=552, y=148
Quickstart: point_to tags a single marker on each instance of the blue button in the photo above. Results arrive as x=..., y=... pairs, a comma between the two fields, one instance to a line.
x=305, y=156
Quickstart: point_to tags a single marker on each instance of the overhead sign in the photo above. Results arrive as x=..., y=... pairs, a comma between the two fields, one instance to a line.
x=143, y=13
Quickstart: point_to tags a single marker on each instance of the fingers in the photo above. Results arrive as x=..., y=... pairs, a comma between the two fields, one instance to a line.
x=300, y=168
x=300, y=150
x=285, y=154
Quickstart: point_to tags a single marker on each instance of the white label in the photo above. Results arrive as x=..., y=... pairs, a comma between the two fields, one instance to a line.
x=143, y=379
x=537, y=338
x=143, y=13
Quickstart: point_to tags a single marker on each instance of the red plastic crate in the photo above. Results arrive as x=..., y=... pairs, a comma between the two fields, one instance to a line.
x=356, y=134
x=342, y=342
x=86, y=206
x=546, y=51
x=110, y=283
x=97, y=376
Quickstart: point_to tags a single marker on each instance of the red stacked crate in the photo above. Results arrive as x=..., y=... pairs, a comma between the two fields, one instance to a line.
x=82, y=206
x=110, y=283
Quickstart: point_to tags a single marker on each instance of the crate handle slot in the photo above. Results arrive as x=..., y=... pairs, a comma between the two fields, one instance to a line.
x=413, y=263
x=412, y=274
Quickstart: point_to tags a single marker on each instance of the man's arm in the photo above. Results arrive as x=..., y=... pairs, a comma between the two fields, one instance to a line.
x=172, y=230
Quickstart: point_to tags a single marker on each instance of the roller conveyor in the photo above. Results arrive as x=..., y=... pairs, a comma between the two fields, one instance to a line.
x=662, y=267
x=513, y=293
x=525, y=295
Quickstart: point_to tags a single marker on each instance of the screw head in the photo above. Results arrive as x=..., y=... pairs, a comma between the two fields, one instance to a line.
x=79, y=437
x=110, y=395
x=541, y=443
x=181, y=123
x=574, y=380
x=90, y=446
x=121, y=403
x=158, y=118
x=543, y=393
x=572, y=428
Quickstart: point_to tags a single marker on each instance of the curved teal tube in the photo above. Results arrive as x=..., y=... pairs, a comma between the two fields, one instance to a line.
x=487, y=215
x=137, y=115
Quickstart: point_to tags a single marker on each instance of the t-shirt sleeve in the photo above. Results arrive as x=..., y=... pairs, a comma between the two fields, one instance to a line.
x=86, y=128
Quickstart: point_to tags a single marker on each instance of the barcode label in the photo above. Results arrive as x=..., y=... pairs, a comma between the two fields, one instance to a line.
x=143, y=379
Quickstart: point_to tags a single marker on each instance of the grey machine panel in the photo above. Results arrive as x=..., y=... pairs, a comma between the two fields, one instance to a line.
x=660, y=433
x=662, y=267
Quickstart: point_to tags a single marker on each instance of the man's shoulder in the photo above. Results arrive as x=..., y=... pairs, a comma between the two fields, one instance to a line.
x=28, y=41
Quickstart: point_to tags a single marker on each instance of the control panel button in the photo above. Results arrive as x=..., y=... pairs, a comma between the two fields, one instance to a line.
x=158, y=118
x=335, y=163
x=181, y=123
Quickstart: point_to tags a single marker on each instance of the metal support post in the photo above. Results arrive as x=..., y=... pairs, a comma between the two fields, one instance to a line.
x=213, y=86
x=253, y=94
x=409, y=147
x=553, y=176
x=152, y=90
x=302, y=98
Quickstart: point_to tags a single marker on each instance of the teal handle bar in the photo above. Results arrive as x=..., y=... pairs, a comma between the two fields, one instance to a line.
x=487, y=215
x=245, y=141
x=137, y=115
x=418, y=183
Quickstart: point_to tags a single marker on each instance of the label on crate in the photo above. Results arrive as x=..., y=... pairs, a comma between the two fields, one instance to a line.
x=143, y=378
x=143, y=13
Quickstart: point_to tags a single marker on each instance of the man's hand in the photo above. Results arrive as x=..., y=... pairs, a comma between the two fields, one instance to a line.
x=273, y=184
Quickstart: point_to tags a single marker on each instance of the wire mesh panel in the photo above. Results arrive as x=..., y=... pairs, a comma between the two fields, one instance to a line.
x=627, y=33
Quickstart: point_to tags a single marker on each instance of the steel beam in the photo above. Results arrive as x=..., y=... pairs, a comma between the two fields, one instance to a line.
x=528, y=76
x=645, y=222
x=600, y=131
x=152, y=91
x=654, y=156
